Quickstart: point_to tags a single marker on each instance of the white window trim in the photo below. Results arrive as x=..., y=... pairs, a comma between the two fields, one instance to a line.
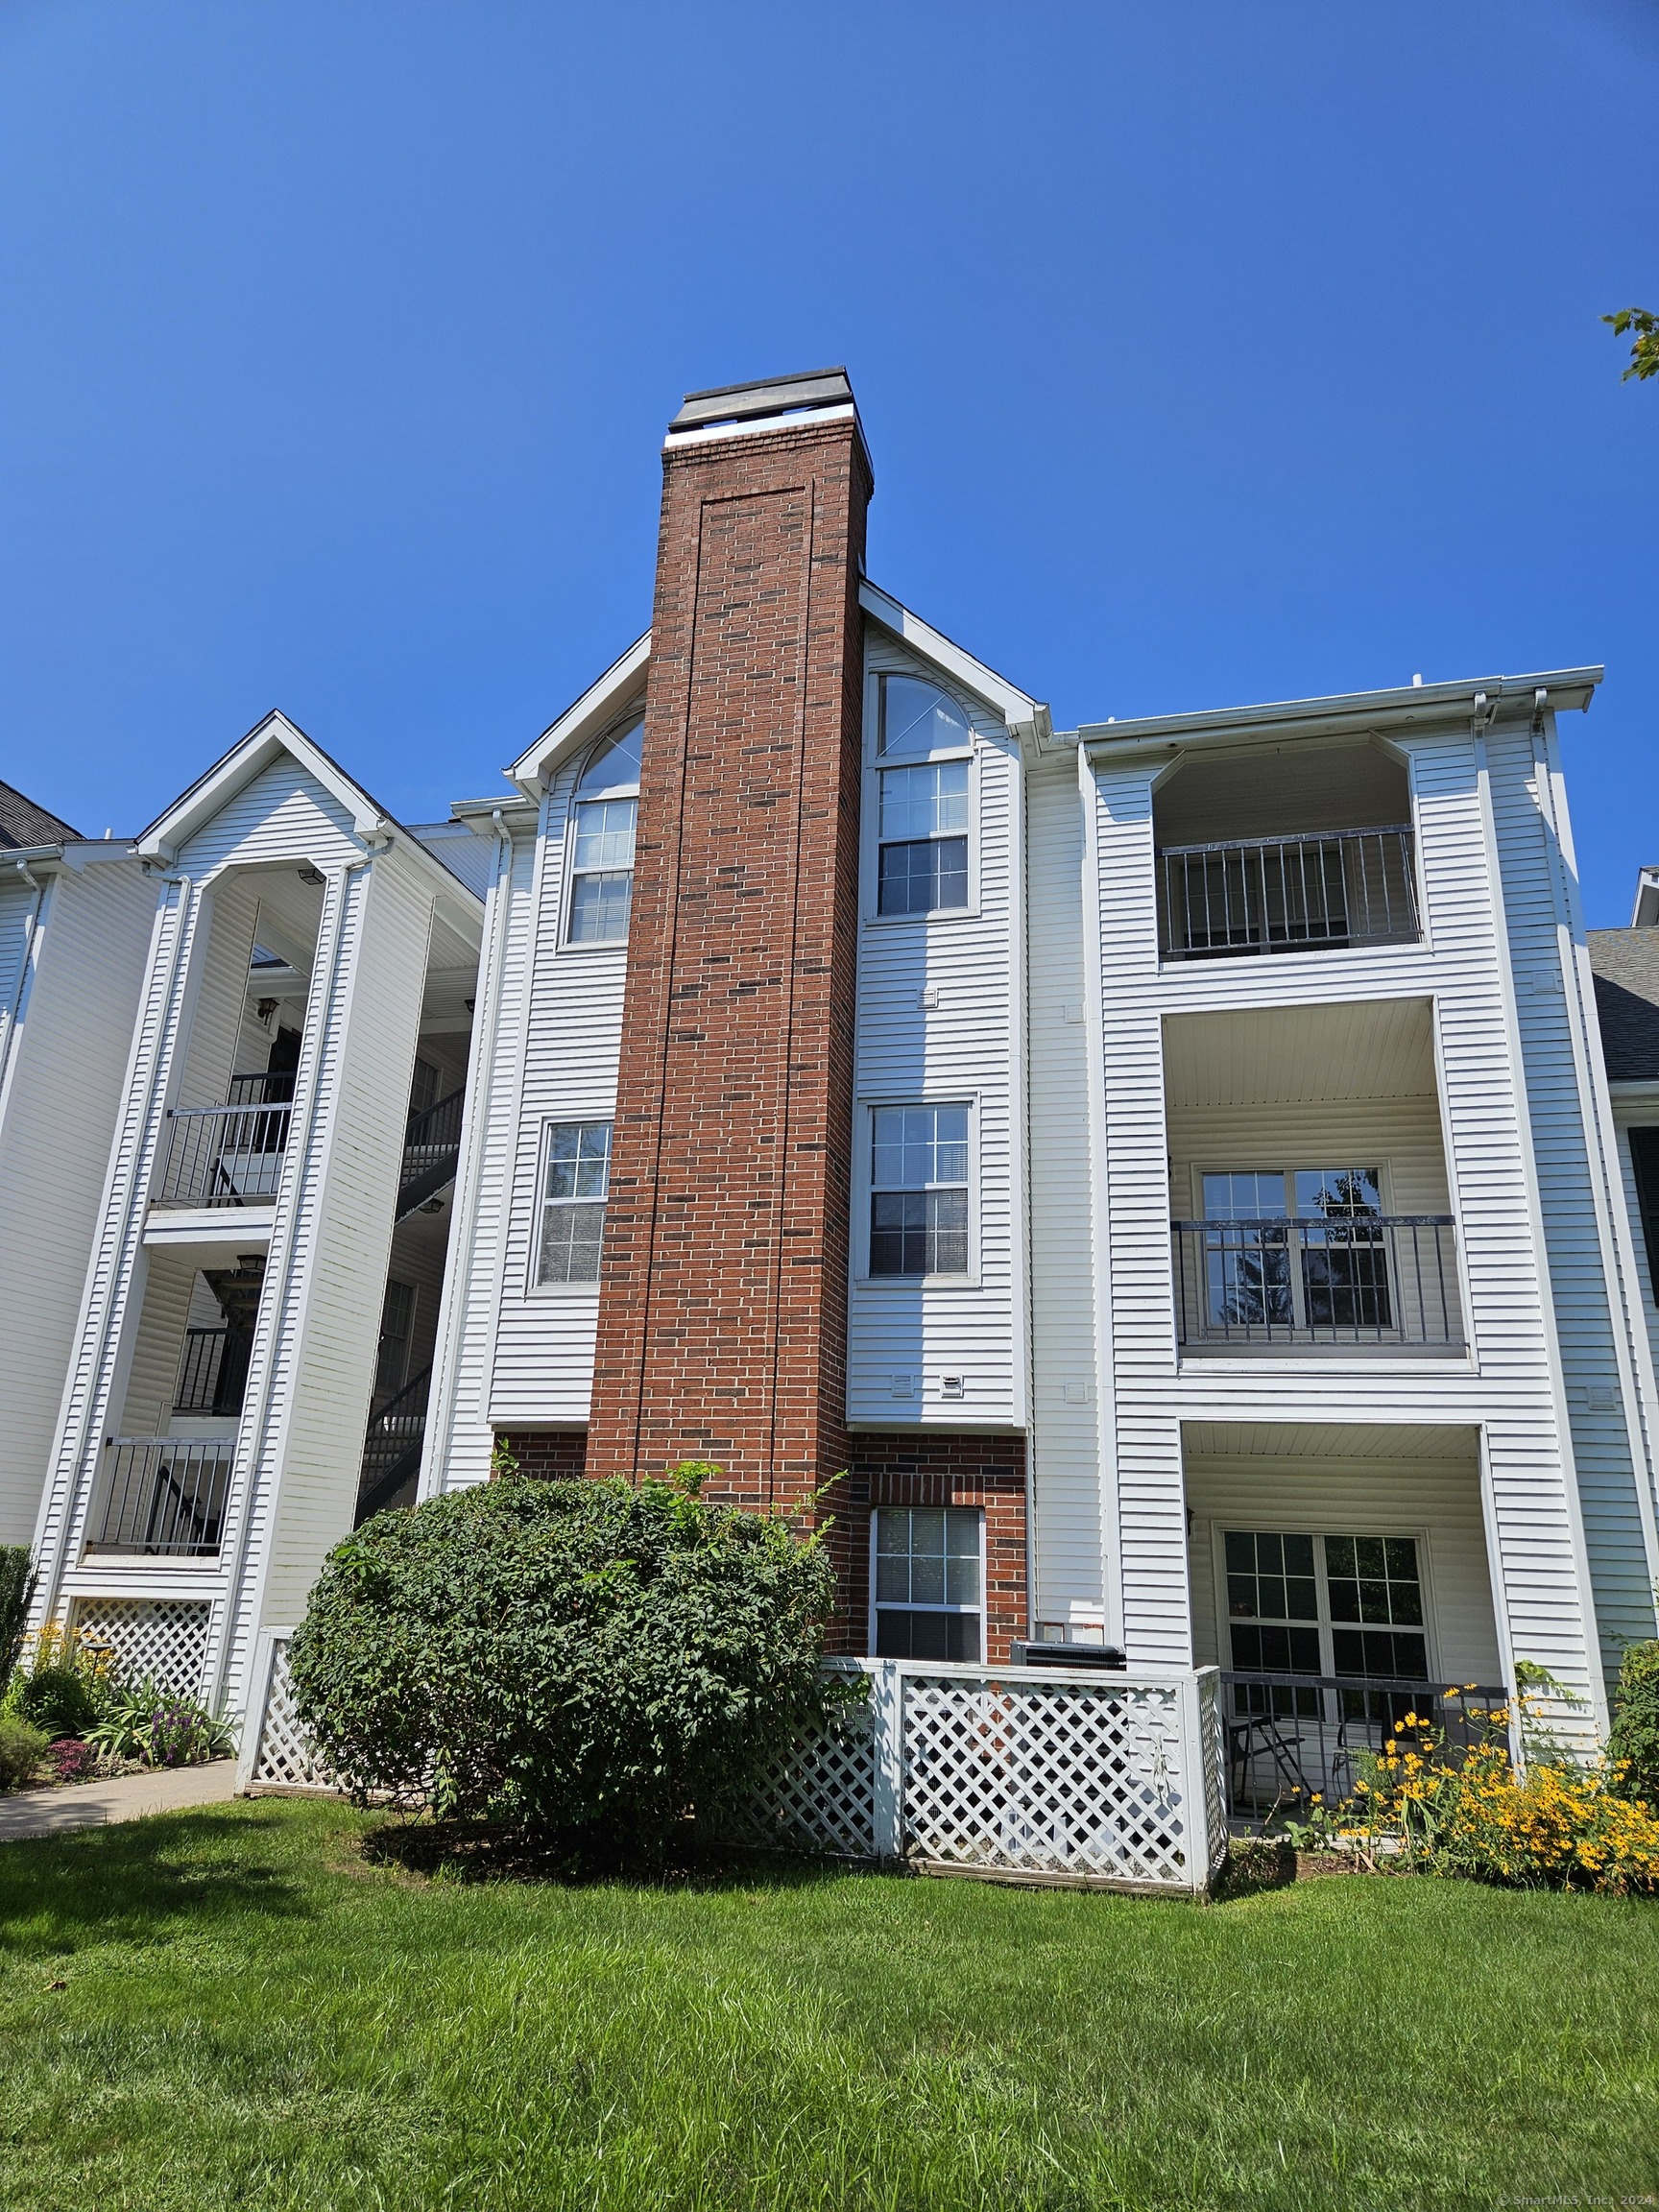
x=864, y=1183
x=979, y=1609
x=870, y=837
x=1321, y=1524
x=1233, y=1166
x=567, y=848
x=533, y=1287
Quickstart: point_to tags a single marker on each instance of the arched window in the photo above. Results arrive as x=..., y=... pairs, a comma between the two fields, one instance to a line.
x=602, y=855
x=922, y=834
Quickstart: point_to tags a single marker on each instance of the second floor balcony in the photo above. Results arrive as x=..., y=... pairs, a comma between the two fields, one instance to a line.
x=1352, y=1279
x=1317, y=891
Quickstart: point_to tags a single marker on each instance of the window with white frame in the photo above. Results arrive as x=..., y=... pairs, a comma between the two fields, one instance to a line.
x=1339, y=1277
x=922, y=807
x=1299, y=1603
x=575, y=1181
x=928, y=1582
x=603, y=813
x=918, y=1190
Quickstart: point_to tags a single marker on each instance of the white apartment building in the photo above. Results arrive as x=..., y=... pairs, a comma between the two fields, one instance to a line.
x=1178, y=1189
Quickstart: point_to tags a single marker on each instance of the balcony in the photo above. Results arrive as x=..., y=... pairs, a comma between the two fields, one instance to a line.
x=229, y=1155
x=1370, y=1281
x=164, y=1497
x=1317, y=891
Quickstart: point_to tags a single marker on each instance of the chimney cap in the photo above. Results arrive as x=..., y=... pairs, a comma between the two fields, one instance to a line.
x=809, y=388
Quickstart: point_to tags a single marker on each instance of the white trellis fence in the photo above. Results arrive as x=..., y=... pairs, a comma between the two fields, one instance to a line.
x=1013, y=1773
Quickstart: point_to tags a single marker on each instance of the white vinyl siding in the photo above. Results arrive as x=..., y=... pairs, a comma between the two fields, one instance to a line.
x=963, y=1045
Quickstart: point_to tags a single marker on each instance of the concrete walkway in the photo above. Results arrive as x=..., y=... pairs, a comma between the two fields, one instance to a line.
x=131, y=1797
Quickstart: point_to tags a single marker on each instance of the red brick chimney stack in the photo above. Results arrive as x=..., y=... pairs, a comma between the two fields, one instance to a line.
x=723, y=1294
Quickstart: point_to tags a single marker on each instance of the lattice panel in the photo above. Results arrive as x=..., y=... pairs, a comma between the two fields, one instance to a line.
x=160, y=1639
x=823, y=1798
x=285, y=1756
x=1213, y=1746
x=1046, y=1779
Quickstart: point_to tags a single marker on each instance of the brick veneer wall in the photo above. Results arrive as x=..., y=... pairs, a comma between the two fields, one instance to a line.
x=901, y=1467
x=554, y=1455
x=722, y=1329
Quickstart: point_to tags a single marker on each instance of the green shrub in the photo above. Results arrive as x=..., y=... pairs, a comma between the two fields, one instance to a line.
x=592, y=1661
x=21, y=1751
x=16, y=1591
x=152, y=1724
x=1633, y=1742
x=57, y=1699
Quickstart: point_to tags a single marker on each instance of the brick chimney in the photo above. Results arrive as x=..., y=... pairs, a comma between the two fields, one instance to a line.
x=722, y=1327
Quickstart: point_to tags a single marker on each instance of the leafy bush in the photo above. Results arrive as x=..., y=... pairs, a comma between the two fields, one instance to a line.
x=21, y=1751
x=57, y=1699
x=71, y=1761
x=1633, y=1742
x=1560, y=1823
x=16, y=1591
x=151, y=1725
x=592, y=1661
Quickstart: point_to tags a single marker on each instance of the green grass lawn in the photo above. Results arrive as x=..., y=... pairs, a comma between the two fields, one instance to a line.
x=231, y=2007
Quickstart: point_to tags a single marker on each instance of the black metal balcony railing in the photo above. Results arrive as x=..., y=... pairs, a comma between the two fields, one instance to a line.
x=1294, y=1737
x=164, y=1494
x=275, y=1087
x=1303, y=894
x=223, y=1155
x=1386, y=1279
x=431, y=1152
x=213, y=1373
x=392, y=1445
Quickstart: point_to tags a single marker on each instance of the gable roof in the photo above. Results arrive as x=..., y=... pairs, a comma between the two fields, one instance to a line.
x=250, y=757
x=584, y=718
x=1625, y=964
x=1024, y=716
x=24, y=824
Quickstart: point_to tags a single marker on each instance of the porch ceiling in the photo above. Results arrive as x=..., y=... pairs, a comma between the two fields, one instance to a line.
x=1300, y=1055
x=1329, y=1440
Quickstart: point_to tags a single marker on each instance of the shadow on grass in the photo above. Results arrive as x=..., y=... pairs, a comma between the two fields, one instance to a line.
x=487, y=1851
x=1257, y=1863
x=140, y=1882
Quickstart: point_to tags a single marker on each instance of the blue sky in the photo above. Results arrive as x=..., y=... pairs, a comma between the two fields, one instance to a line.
x=1209, y=353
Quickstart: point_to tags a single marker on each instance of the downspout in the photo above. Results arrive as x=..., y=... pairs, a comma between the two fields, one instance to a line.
x=480, y=1082
x=258, y=1431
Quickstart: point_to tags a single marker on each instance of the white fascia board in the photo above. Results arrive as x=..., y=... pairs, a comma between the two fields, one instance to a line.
x=533, y=770
x=1400, y=709
x=1025, y=716
x=1644, y=914
x=264, y=743
x=480, y=814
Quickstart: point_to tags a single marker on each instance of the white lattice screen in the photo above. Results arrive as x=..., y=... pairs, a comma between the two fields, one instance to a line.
x=1046, y=1779
x=283, y=1756
x=823, y=1797
x=1107, y=1778
x=163, y=1640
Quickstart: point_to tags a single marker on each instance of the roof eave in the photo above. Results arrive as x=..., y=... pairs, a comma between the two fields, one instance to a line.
x=584, y=718
x=1398, y=710
x=1025, y=716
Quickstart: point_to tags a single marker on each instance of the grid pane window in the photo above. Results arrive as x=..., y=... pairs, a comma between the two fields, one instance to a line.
x=923, y=836
x=1346, y=1605
x=927, y=1582
x=918, y=1190
x=1340, y=1279
x=602, y=845
x=575, y=1181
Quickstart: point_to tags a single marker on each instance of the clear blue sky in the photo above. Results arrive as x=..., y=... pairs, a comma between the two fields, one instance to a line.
x=1209, y=353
